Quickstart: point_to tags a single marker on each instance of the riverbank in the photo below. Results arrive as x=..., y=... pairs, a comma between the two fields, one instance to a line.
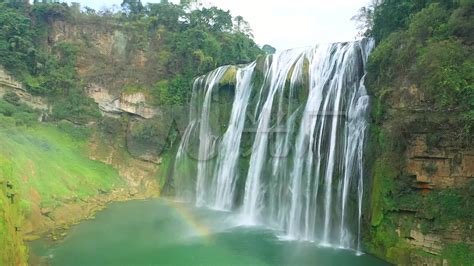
x=72, y=214
x=57, y=221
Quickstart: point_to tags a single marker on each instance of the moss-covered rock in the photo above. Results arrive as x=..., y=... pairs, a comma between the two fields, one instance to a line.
x=230, y=77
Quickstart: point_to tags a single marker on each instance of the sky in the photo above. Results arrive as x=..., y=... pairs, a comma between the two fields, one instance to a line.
x=285, y=24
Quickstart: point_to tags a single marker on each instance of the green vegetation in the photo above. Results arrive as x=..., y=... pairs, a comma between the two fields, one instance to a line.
x=430, y=169
x=23, y=30
x=153, y=133
x=433, y=139
x=459, y=254
x=178, y=43
x=426, y=46
x=12, y=250
x=12, y=98
x=166, y=92
x=45, y=159
x=41, y=165
x=19, y=113
x=446, y=206
x=429, y=43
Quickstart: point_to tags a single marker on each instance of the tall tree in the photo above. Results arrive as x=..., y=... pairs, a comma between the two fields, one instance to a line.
x=132, y=7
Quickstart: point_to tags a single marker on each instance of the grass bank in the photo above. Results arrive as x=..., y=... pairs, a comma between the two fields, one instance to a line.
x=41, y=167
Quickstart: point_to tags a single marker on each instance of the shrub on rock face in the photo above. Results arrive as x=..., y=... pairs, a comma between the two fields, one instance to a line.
x=76, y=108
x=6, y=109
x=25, y=118
x=110, y=125
x=148, y=137
x=21, y=114
x=12, y=98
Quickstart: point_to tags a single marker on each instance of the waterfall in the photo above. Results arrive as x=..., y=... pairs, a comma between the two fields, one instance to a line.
x=225, y=171
x=281, y=142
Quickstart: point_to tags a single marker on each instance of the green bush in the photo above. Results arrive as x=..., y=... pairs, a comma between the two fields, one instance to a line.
x=75, y=107
x=430, y=168
x=425, y=43
x=6, y=108
x=12, y=98
x=150, y=133
x=170, y=92
x=459, y=254
x=448, y=205
x=154, y=135
x=16, y=45
x=25, y=118
x=77, y=132
x=22, y=114
x=433, y=139
x=446, y=69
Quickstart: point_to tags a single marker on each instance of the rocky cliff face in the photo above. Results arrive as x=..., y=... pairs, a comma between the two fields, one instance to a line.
x=422, y=182
x=107, y=63
x=132, y=103
x=438, y=166
x=135, y=103
x=107, y=39
x=109, y=56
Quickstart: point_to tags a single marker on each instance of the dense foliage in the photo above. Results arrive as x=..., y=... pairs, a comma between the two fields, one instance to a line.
x=20, y=113
x=428, y=43
x=46, y=72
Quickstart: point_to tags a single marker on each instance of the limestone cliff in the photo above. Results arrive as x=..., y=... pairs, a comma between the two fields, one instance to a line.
x=422, y=181
x=108, y=63
x=134, y=103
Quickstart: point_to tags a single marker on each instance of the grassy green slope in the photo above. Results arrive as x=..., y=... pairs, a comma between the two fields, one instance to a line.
x=12, y=250
x=53, y=163
x=46, y=165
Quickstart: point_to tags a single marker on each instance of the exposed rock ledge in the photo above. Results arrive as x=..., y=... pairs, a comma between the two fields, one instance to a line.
x=441, y=167
x=132, y=103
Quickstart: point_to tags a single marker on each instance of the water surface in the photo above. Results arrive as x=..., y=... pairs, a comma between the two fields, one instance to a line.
x=161, y=232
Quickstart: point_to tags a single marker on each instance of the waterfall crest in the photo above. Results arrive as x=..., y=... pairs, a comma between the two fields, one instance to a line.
x=281, y=141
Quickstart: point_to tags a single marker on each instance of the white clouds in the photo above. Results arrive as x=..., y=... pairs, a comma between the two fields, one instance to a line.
x=293, y=23
x=288, y=23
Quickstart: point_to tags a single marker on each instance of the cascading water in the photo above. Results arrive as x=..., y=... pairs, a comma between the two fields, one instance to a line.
x=281, y=140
